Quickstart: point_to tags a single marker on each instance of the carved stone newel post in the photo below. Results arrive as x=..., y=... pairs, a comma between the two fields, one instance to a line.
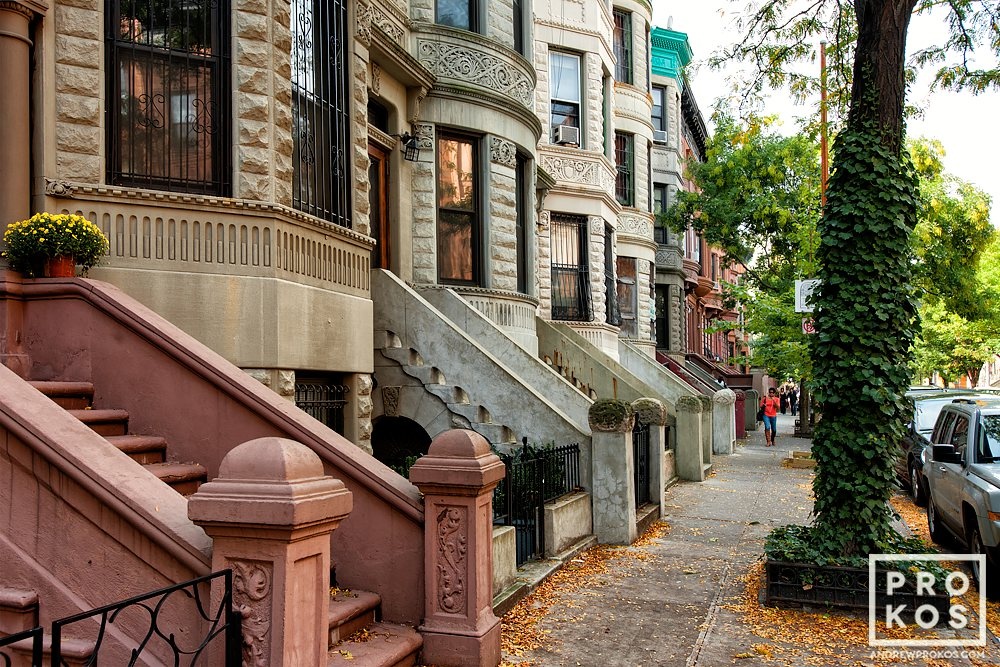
x=457, y=477
x=270, y=513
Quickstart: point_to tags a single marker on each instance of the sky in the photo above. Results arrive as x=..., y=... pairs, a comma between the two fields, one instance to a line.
x=962, y=122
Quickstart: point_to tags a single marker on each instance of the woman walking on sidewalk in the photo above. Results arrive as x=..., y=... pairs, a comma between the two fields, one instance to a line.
x=771, y=403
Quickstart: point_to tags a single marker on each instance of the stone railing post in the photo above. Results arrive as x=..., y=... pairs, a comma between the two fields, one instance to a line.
x=723, y=422
x=751, y=405
x=741, y=414
x=270, y=513
x=612, y=464
x=706, y=429
x=457, y=477
x=689, y=453
x=653, y=412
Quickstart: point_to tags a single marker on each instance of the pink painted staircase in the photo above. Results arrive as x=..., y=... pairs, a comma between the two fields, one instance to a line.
x=147, y=450
x=357, y=637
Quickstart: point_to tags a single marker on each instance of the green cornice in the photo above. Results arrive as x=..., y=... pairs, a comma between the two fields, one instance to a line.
x=671, y=52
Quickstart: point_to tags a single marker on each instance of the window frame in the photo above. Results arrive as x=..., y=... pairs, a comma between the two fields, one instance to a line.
x=553, y=100
x=625, y=168
x=215, y=120
x=622, y=46
x=475, y=215
x=627, y=291
x=659, y=120
x=577, y=307
x=472, y=7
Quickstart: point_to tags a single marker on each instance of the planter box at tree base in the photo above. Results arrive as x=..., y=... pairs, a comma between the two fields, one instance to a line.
x=802, y=584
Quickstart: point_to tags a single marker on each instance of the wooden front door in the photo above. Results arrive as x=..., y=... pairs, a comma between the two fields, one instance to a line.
x=378, y=199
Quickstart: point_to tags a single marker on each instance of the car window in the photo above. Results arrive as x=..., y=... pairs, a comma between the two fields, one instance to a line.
x=926, y=412
x=989, y=439
x=943, y=427
x=960, y=434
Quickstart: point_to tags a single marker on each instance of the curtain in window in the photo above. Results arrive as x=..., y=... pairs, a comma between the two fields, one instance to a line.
x=457, y=210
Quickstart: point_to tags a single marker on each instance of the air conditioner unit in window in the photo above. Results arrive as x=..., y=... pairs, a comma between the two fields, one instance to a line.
x=567, y=134
x=659, y=136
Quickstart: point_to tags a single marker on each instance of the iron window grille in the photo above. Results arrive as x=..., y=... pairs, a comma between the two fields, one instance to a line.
x=168, y=110
x=458, y=219
x=623, y=46
x=625, y=167
x=323, y=399
x=321, y=180
x=571, y=293
x=613, y=316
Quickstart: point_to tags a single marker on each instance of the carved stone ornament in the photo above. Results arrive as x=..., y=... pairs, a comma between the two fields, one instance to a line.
x=689, y=404
x=57, y=188
x=503, y=152
x=634, y=225
x=376, y=84
x=252, y=597
x=425, y=136
x=17, y=8
x=650, y=411
x=544, y=218
x=470, y=66
x=452, y=546
x=364, y=32
x=584, y=172
x=390, y=401
x=365, y=384
x=383, y=22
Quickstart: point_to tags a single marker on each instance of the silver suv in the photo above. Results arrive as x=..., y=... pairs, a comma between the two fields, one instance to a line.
x=962, y=469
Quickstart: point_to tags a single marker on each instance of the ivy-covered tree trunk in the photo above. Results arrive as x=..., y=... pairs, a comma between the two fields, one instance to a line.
x=865, y=310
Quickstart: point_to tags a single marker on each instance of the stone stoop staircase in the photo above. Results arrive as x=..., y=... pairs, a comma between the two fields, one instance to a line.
x=147, y=450
x=358, y=639
x=465, y=414
x=18, y=613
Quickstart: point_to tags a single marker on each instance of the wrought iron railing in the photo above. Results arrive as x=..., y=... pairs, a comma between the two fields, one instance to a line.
x=33, y=635
x=534, y=477
x=641, y=460
x=146, y=609
x=323, y=401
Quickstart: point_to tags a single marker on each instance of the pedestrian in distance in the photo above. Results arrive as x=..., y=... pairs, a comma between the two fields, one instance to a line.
x=793, y=399
x=783, y=399
x=771, y=404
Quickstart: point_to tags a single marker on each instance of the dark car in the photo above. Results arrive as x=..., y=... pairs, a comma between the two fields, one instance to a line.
x=926, y=406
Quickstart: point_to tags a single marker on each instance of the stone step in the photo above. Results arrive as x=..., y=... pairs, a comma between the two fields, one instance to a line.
x=142, y=449
x=74, y=652
x=381, y=645
x=104, y=422
x=351, y=611
x=404, y=355
x=474, y=413
x=497, y=434
x=184, y=478
x=69, y=395
x=18, y=610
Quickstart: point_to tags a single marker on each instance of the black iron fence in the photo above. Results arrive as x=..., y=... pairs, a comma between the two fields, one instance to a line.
x=534, y=477
x=641, y=462
x=143, y=617
x=27, y=641
x=323, y=401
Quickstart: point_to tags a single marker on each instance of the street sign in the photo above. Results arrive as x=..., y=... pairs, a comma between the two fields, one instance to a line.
x=808, y=326
x=803, y=290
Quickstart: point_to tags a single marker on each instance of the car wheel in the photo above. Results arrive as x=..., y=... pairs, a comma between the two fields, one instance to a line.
x=917, y=490
x=934, y=527
x=976, y=546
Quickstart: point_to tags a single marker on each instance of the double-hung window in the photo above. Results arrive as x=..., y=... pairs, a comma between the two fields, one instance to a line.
x=570, y=269
x=168, y=95
x=564, y=78
x=623, y=46
x=659, y=108
x=625, y=167
x=321, y=148
x=628, y=297
x=458, y=210
x=462, y=14
x=660, y=233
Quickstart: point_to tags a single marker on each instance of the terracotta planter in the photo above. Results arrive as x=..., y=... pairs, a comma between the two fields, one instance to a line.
x=60, y=266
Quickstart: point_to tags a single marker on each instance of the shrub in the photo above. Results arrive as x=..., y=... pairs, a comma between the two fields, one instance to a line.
x=46, y=235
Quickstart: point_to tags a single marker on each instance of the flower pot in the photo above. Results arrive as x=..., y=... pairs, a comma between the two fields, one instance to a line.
x=60, y=266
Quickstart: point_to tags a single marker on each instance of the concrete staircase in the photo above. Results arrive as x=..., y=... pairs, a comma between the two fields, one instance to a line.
x=149, y=451
x=464, y=413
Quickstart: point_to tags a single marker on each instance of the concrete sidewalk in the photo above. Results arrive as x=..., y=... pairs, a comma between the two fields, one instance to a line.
x=667, y=608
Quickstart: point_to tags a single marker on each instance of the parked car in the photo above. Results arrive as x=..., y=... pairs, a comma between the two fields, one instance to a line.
x=962, y=470
x=909, y=461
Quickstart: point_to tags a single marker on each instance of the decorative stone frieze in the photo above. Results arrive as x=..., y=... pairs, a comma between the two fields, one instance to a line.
x=610, y=416
x=251, y=597
x=382, y=20
x=635, y=225
x=468, y=65
x=452, y=544
x=592, y=172
x=424, y=133
x=650, y=411
x=376, y=82
x=390, y=401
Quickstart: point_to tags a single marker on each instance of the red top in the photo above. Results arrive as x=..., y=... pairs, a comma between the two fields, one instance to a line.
x=771, y=404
